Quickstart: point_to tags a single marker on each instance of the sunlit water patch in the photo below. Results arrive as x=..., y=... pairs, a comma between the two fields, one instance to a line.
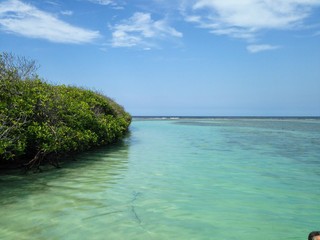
x=176, y=179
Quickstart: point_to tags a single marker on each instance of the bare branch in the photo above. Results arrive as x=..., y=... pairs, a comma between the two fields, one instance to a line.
x=24, y=67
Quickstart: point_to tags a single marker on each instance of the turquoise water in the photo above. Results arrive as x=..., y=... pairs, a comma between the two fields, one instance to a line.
x=177, y=179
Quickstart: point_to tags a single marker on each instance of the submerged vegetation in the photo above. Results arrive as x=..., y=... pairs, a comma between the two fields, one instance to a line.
x=39, y=122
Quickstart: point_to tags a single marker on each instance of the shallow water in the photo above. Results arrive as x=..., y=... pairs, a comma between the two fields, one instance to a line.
x=177, y=179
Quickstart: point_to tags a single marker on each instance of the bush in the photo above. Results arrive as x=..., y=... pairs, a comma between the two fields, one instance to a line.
x=39, y=121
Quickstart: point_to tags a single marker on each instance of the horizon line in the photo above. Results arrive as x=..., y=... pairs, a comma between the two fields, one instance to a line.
x=227, y=116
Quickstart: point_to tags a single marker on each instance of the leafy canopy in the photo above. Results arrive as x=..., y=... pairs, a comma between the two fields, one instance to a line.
x=40, y=121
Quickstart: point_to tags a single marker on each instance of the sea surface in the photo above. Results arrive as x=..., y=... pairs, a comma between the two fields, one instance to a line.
x=176, y=178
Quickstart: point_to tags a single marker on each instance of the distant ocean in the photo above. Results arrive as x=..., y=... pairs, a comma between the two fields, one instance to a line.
x=177, y=178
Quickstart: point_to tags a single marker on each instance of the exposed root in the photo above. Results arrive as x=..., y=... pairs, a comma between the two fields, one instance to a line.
x=35, y=162
x=54, y=161
x=39, y=158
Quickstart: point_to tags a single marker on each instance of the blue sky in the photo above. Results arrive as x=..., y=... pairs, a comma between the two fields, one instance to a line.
x=168, y=57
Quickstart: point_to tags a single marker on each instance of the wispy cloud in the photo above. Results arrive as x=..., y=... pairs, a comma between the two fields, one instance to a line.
x=243, y=19
x=26, y=20
x=69, y=13
x=116, y=5
x=102, y=2
x=141, y=30
x=52, y=3
x=261, y=47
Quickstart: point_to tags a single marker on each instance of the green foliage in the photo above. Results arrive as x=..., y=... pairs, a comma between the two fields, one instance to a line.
x=38, y=120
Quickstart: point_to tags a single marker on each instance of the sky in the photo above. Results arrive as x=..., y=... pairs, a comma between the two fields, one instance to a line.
x=176, y=58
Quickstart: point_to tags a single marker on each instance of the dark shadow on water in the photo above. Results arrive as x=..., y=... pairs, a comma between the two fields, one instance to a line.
x=105, y=164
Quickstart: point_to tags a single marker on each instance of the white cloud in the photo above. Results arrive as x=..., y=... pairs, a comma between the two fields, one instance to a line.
x=243, y=19
x=113, y=4
x=261, y=47
x=140, y=30
x=103, y=2
x=26, y=20
x=118, y=8
x=69, y=13
x=52, y=3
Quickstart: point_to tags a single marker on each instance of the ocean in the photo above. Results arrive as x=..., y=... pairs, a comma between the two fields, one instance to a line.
x=176, y=178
